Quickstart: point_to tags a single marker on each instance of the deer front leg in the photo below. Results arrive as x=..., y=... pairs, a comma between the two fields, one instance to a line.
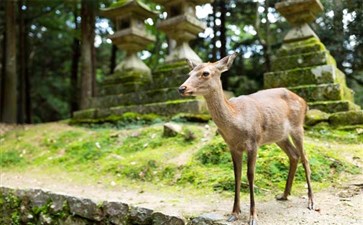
x=237, y=168
x=251, y=162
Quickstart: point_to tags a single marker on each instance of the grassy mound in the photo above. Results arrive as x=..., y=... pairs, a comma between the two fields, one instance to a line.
x=141, y=154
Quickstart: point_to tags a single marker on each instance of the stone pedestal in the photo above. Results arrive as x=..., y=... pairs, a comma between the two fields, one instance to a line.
x=305, y=66
x=130, y=36
x=181, y=25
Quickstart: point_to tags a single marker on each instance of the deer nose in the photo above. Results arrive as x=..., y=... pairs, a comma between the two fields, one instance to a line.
x=182, y=89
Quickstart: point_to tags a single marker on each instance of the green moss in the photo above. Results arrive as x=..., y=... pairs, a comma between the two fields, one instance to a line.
x=346, y=118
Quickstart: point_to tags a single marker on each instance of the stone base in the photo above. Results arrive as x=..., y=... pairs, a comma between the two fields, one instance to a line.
x=334, y=106
x=347, y=118
x=323, y=92
x=168, y=108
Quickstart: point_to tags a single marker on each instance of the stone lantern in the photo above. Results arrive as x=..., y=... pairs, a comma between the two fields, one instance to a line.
x=181, y=25
x=299, y=13
x=131, y=36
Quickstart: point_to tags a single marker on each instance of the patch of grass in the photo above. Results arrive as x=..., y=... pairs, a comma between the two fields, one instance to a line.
x=142, y=154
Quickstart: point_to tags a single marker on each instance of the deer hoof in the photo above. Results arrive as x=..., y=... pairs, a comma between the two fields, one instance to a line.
x=281, y=197
x=232, y=218
x=253, y=222
x=311, y=204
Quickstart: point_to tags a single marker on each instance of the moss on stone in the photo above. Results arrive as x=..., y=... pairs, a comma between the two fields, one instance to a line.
x=300, y=49
x=171, y=66
x=333, y=106
x=85, y=114
x=347, y=118
x=323, y=92
x=300, y=61
x=300, y=76
x=316, y=116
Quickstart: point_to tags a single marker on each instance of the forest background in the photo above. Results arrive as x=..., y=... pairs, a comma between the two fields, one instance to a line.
x=48, y=48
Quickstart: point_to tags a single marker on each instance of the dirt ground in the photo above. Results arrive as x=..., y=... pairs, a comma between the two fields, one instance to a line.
x=336, y=205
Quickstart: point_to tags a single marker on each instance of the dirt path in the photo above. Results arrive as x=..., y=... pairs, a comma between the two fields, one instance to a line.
x=337, y=206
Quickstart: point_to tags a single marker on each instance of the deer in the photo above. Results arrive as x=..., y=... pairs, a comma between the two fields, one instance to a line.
x=249, y=121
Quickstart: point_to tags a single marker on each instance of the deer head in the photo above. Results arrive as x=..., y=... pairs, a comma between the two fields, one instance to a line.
x=205, y=77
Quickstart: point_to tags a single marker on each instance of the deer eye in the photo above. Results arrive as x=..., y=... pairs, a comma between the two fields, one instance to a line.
x=205, y=74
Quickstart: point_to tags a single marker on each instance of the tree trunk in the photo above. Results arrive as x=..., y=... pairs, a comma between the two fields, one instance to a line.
x=113, y=59
x=87, y=40
x=74, y=68
x=9, y=114
x=215, y=30
x=2, y=69
x=223, y=39
x=267, y=46
x=21, y=64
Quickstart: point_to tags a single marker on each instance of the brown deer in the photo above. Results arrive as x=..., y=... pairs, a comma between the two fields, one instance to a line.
x=249, y=121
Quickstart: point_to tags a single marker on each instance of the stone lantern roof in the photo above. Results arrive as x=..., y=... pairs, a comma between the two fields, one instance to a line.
x=124, y=7
x=299, y=11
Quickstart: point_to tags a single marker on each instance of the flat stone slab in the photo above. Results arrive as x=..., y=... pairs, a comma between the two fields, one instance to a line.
x=303, y=60
x=192, y=106
x=303, y=76
x=323, y=92
x=334, y=106
x=347, y=118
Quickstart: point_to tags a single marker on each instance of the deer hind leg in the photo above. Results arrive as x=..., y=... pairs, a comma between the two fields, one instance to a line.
x=251, y=165
x=237, y=167
x=297, y=138
x=293, y=155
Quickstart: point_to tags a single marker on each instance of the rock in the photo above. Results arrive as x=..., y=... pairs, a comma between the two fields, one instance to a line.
x=210, y=219
x=71, y=220
x=58, y=202
x=140, y=216
x=171, y=129
x=161, y=219
x=85, y=208
x=315, y=116
x=347, y=118
x=118, y=213
x=38, y=198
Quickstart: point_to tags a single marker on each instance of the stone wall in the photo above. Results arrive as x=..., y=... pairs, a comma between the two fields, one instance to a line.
x=34, y=206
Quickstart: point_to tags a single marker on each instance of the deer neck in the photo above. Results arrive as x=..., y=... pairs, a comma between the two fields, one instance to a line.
x=219, y=107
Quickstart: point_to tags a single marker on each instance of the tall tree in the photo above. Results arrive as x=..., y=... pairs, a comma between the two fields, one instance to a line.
x=24, y=110
x=9, y=109
x=88, y=8
x=75, y=62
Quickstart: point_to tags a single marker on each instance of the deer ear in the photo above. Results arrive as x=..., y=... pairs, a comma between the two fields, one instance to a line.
x=191, y=63
x=225, y=63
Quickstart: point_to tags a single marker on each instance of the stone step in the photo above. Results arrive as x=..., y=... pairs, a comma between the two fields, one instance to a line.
x=168, y=108
x=323, y=92
x=169, y=80
x=134, y=98
x=334, y=106
x=304, y=60
x=289, y=50
x=120, y=88
x=305, y=76
x=347, y=118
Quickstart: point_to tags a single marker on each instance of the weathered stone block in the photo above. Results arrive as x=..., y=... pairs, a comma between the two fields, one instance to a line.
x=86, y=113
x=171, y=129
x=57, y=202
x=316, y=116
x=323, y=92
x=140, y=216
x=303, y=60
x=346, y=118
x=161, y=219
x=303, y=76
x=168, y=108
x=117, y=213
x=210, y=219
x=120, y=88
x=85, y=208
x=288, y=50
x=333, y=106
x=135, y=98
